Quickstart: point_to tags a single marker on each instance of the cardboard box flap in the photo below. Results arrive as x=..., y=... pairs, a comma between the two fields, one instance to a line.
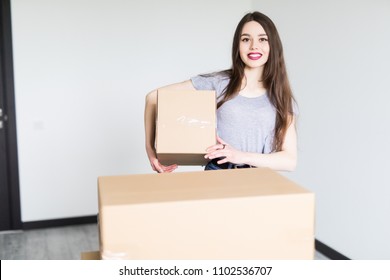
x=179, y=186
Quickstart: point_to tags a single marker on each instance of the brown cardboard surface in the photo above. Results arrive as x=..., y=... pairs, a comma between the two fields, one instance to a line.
x=226, y=214
x=95, y=255
x=186, y=126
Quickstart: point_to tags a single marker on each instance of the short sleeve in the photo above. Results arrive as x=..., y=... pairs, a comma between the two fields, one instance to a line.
x=201, y=82
x=217, y=82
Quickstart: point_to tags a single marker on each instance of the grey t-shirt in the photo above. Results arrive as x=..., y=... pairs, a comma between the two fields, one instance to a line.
x=245, y=123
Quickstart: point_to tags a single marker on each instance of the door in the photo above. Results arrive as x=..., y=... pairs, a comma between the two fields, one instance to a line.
x=9, y=177
x=5, y=222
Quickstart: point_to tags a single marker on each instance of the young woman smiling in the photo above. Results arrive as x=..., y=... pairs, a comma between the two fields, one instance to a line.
x=256, y=110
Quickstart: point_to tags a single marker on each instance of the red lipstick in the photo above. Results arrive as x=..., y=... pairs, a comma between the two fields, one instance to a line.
x=254, y=55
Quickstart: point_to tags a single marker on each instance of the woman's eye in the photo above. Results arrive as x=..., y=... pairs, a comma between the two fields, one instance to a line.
x=245, y=39
x=263, y=39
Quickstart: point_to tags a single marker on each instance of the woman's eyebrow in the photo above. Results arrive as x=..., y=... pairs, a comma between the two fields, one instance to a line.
x=246, y=34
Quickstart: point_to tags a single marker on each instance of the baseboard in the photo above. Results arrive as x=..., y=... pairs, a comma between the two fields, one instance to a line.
x=329, y=252
x=60, y=222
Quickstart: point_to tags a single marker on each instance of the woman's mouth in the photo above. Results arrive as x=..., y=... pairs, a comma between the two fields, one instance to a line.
x=254, y=56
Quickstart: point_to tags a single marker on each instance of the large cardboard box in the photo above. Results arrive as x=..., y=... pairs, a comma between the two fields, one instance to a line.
x=90, y=256
x=226, y=214
x=186, y=126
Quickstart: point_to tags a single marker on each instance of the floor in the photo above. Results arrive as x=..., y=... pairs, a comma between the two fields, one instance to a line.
x=60, y=243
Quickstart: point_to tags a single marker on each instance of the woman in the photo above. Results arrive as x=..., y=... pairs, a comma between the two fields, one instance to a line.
x=255, y=104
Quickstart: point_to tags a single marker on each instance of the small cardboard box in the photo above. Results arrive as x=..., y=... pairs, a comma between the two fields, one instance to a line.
x=186, y=126
x=226, y=214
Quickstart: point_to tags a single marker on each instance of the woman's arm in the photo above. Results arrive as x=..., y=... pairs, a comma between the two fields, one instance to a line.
x=284, y=160
x=150, y=124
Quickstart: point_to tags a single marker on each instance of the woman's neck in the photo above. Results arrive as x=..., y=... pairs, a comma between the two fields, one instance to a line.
x=251, y=85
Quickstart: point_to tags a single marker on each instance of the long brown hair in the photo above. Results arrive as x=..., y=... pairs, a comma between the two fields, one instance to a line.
x=274, y=78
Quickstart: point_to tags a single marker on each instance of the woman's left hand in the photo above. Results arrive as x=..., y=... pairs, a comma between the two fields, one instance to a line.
x=224, y=151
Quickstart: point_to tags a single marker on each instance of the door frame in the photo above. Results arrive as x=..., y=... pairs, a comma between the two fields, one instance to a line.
x=11, y=189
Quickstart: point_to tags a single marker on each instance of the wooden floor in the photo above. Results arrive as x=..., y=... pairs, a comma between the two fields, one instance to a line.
x=60, y=243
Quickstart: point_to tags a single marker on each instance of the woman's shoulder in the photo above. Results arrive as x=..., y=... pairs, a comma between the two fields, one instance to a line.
x=220, y=75
x=214, y=80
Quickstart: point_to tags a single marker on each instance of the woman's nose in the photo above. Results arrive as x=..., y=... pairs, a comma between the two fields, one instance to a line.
x=254, y=45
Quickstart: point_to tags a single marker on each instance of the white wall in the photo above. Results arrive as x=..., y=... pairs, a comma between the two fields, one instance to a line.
x=82, y=69
x=338, y=57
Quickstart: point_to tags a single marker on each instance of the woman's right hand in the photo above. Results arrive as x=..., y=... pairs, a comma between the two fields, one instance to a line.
x=159, y=168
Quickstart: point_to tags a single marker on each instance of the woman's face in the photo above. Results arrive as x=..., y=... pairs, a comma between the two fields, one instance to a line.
x=254, y=47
